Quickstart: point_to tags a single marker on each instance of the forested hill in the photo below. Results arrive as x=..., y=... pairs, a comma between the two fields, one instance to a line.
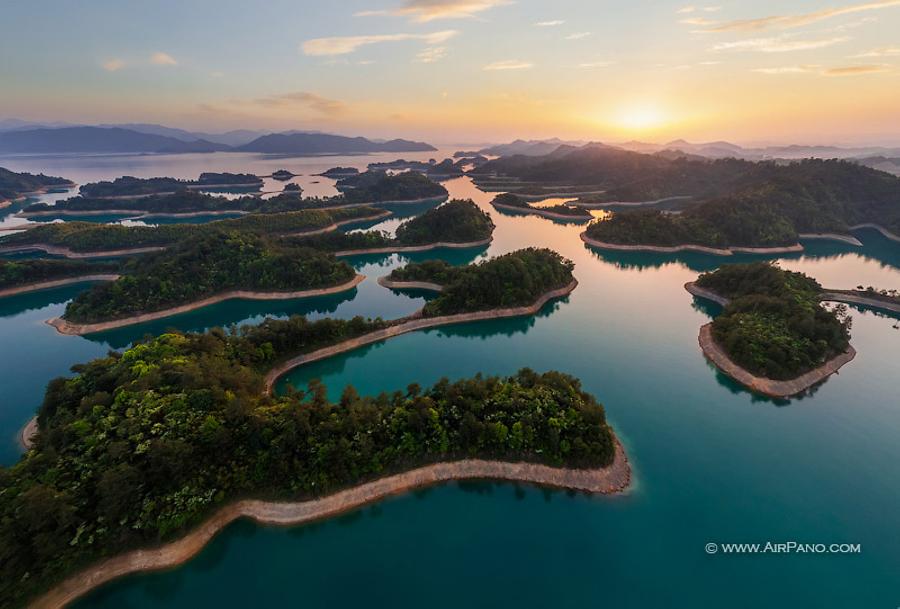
x=140, y=446
x=211, y=264
x=815, y=194
x=13, y=185
x=774, y=325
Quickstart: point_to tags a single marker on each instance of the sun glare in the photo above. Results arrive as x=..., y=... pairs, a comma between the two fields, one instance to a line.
x=641, y=117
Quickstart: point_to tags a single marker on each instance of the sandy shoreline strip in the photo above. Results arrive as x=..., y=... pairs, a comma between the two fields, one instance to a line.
x=411, y=324
x=414, y=248
x=54, y=250
x=879, y=228
x=65, y=327
x=46, y=285
x=409, y=285
x=763, y=385
x=606, y=204
x=132, y=214
x=845, y=296
x=613, y=479
x=832, y=237
x=692, y=248
x=337, y=225
x=542, y=212
x=760, y=384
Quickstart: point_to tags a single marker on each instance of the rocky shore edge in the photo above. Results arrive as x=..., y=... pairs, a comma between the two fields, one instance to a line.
x=730, y=251
x=411, y=324
x=46, y=285
x=614, y=479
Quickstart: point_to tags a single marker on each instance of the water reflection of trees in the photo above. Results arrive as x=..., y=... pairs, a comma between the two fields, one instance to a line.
x=875, y=247
x=33, y=301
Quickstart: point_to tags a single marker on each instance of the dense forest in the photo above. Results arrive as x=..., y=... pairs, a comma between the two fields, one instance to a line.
x=130, y=186
x=718, y=223
x=815, y=195
x=13, y=185
x=774, y=325
x=14, y=273
x=139, y=446
x=512, y=280
x=511, y=200
x=457, y=221
x=210, y=264
x=378, y=187
x=93, y=237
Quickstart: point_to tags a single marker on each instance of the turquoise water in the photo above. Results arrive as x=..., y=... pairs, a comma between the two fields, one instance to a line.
x=712, y=462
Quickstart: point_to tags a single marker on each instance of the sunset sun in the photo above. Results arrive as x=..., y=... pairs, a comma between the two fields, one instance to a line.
x=641, y=117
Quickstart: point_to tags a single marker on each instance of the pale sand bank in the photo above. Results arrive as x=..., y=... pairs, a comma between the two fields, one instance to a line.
x=409, y=285
x=542, y=212
x=613, y=479
x=692, y=248
x=46, y=285
x=399, y=249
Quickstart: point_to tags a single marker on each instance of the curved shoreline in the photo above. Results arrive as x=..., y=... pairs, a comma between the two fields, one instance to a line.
x=606, y=204
x=435, y=199
x=65, y=327
x=411, y=324
x=766, y=386
x=613, y=479
x=845, y=296
x=54, y=250
x=414, y=248
x=832, y=237
x=132, y=214
x=68, y=253
x=46, y=285
x=541, y=212
x=336, y=225
x=730, y=251
x=409, y=285
x=879, y=228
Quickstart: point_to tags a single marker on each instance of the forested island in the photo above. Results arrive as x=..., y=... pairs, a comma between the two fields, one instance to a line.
x=340, y=172
x=209, y=265
x=380, y=187
x=374, y=188
x=513, y=280
x=14, y=186
x=129, y=186
x=457, y=222
x=19, y=274
x=512, y=202
x=140, y=447
x=773, y=325
x=89, y=238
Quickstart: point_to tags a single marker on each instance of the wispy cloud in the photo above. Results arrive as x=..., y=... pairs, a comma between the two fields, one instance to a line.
x=792, y=21
x=431, y=10
x=313, y=101
x=509, y=64
x=432, y=54
x=578, y=35
x=788, y=69
x=856, y=70
x=595, y=64
x=163, y=59
x=777, y=45
x=113, y=65
x=817, y=69
x=686, y=10
x=553, y=23
x=880, y=52
x=342, y=45
x=697, y=21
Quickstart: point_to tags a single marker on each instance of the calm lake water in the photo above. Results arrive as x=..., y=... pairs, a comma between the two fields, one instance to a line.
x=712, y=462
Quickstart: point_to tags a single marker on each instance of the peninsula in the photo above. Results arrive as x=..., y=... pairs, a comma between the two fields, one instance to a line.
x=93, y=240
x=773, y=336
x=128, y=187
x=103, y=486
x=200, y=272
x=456, y=224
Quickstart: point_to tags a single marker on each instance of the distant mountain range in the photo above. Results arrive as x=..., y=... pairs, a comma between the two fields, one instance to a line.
x=19, y=137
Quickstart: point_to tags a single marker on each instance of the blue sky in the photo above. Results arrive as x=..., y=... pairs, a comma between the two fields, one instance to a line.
x=464, y=70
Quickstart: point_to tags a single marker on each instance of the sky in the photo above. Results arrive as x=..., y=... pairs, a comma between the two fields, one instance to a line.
x=457, y=71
